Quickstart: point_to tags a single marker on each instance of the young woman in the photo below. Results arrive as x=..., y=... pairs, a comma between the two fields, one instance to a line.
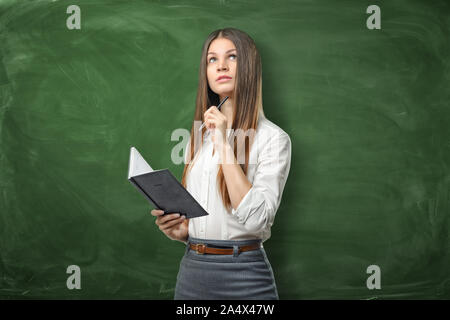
x=236, y=168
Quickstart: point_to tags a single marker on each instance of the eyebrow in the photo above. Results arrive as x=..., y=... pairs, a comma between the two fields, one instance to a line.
x=225, y=52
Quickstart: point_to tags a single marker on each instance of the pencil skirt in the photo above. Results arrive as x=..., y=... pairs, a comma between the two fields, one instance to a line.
x=245, y=275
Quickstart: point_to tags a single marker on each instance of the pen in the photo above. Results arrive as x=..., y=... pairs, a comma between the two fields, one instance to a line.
x=218, y=107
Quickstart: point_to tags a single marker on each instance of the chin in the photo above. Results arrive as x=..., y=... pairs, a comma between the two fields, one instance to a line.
x=223, y=92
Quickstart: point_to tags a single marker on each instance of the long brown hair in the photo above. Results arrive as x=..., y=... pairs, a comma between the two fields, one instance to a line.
x=247, y=99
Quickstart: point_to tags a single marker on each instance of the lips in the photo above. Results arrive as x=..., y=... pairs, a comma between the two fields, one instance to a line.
x=223, y=78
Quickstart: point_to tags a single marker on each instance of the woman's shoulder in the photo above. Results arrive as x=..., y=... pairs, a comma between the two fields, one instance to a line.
x=272, y=140
x=267, y=128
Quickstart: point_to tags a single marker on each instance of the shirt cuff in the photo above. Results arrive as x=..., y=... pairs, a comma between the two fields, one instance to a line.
x=251, y=201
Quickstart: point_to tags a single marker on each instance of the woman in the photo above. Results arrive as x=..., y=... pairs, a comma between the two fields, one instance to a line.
x=236, y=168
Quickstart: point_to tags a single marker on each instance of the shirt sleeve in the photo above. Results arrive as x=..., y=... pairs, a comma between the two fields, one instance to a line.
x=257, y=209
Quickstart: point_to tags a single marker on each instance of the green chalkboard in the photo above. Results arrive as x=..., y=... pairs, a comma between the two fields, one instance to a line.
x=367, y=111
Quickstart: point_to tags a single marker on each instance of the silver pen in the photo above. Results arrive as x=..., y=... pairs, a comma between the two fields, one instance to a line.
x=218, y=107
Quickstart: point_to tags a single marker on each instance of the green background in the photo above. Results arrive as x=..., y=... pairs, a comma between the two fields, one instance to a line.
x=367, y=112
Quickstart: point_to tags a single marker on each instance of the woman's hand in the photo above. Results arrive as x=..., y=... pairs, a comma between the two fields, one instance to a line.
x=174, y=226
x=216, y=121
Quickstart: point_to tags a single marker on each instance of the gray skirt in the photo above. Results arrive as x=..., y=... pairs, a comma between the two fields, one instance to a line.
x=247, y=275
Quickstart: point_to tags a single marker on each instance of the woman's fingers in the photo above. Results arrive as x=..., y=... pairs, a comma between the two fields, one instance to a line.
x=156, y=212
x=211, y=121
x=210, y=116
x=210, y=110
x=213, y=111
x=213, y=116
x=161, y=220
x=171, y=223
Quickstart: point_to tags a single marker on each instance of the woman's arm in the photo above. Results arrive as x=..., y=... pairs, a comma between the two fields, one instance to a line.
x=254, y=204
x=237, y=183
x=256, y=211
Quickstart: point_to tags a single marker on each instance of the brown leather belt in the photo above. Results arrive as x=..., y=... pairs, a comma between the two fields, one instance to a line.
x=202, y=249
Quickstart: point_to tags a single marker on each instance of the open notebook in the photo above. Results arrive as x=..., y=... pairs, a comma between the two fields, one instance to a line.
x=161, y=188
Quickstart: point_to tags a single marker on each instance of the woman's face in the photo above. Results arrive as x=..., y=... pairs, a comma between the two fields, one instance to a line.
x=221, y=62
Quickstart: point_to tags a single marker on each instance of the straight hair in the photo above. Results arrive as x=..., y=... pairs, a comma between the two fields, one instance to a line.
x=247, y=100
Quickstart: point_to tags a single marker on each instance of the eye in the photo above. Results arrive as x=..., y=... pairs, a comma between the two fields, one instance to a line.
x=233, y=55
x=209, y=61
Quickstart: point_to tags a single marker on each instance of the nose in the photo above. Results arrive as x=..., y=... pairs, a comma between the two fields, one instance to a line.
x=222, y=65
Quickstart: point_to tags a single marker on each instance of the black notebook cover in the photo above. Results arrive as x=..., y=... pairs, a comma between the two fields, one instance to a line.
x=166, y=193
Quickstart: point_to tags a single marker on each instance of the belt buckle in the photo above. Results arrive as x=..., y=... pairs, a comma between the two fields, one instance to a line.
x=201, y=248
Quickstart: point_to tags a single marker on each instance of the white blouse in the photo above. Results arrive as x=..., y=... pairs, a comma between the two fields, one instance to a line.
x=269, y=164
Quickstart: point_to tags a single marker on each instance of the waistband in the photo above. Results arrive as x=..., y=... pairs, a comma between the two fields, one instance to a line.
x=224, y=243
